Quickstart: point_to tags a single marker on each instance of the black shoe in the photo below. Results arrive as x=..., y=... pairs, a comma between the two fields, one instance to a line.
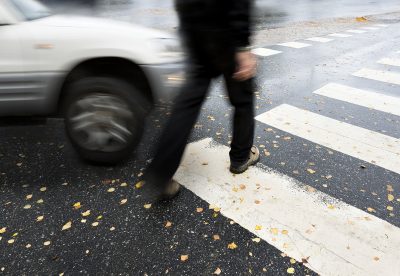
x=172, y=190
x=254, y=157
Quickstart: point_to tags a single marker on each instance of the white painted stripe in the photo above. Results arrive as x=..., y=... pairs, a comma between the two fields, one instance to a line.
x=319, y=39
x=379, y=75
x=364, y=144
x=361, y=97
x=265, y=52
x=340, y=35
x=340, y=240
x=381, y=25
x=356, y=31
x=390, y=61
x=296, y=45
x=370, y=28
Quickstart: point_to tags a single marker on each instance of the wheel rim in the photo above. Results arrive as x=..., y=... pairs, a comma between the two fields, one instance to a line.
x=101, y=122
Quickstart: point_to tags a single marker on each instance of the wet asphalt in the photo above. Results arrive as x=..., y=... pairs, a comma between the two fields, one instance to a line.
x=42, y=179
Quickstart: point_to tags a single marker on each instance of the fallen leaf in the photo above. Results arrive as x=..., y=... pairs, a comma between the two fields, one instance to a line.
x=15, y=234
x=390, y=197
x=29, y=196
x=110, y=190
x=3, y=230
x=139, y=184
x=389, y=188
x=274, y=231
x=292, y=261
x=330, y=206
x=43, y=189
x=199, y=210
x=371, y=210
x=311, y=171
x=147, y=206
x=216, y=237
x=39, y=218
x=86, y=213
x=83, y=220
x=258, y=227
x=361, y=19
x=28, y=245
x=257, y=201
x=67, y=226
x=290, y=270
x=184, y=258
x=390, y=208
x=232, y=246
x=40, y=201
x=328, y=176
x=257, y=240
x=242, y=186
x=28, y=206
x=11, y=241
x=168, y=224
x=285, y=232
x=217, y=271
x=46, y=243
x=112, y=228
x=77, y=205
x=99, y=217
x=123, y=201
x=376, y=258
x=124, y=184
x=96, y=223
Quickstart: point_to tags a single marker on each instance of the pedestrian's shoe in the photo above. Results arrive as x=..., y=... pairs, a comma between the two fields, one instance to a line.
x=171, y=190
x=254, y=157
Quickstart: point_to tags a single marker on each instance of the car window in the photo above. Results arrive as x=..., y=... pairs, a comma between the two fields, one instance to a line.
x=31, y=9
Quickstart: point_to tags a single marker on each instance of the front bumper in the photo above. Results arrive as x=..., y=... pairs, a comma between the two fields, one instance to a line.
x=165, y=80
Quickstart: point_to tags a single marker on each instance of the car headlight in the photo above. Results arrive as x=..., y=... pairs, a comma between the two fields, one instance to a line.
x=168, y=47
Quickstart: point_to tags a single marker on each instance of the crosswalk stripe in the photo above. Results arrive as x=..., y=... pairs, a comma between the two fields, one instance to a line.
x=294, y=44
x=340, y=35
x=356, y=31
x=319, y=39
x=381, y=25
x=390, y=61
x=361, y=97
x=378, y=75
x=265, y=52
x=367, y=145
x=335, y=238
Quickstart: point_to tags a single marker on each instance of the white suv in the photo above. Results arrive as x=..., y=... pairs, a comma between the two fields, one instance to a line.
x=102, y=76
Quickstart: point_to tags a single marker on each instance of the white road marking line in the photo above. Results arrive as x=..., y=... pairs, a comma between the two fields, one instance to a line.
x=370, y=28
x=379, y=75
x=361, y=97
x=381, y=25
x=356, y=31
x=335, y=238
x=319, y=39
x=361, y=143
x=294, y=44
x=265, y=52
x=340, y=35
x=390, y=61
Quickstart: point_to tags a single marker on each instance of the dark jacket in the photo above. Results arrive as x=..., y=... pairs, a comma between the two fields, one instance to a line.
x=231, y=17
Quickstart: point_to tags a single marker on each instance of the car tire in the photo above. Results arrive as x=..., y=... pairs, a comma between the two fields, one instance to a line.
x=104, y=118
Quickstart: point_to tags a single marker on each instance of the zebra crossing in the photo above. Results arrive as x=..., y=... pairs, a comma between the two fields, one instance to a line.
x=334, y=238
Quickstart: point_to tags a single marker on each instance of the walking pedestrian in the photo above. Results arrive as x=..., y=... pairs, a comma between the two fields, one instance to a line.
x=216, y=34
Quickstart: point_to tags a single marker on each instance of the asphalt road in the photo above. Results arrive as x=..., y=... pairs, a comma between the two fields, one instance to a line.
x=42, y=180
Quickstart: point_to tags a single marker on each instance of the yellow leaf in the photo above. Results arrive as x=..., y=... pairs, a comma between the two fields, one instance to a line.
x=311, y=171
x=43, y=189
x=95, y=223
x=11, y=241
x=77, y=205
x=216, y=237
x=15, y=234
x=330, y=206
x=235, y=189
x=40, y=201
x=147, y=206
x=29, y=196
x=139, y=184
x=184, y=258
x=39, y=218
x=361, y=19
x=390, y=197
x=28, y=206
x=168, y=224
x=292, y=261
x=285, y=232
x=99, y=217
x=86, y=213
x=257, y=240
x=290, y=270
x=217, y=271
x=371, y=210
x=390, y=208
x=217, y=209
x=110, y=190
x=67, y=225
x=258, y=227
x=232, y=246
x=124, y=184
x=47, y=243
x=199, y=210
x=123, y=201
x=274, y=231
x=3, y=230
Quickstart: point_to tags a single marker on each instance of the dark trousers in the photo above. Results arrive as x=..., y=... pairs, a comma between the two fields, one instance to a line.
x=210, y=57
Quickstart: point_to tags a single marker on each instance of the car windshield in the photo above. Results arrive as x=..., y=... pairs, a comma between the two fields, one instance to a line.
x=31, y=9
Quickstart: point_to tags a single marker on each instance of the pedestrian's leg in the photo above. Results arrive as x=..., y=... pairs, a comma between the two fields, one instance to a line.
x=241, y=97
x=177, y=131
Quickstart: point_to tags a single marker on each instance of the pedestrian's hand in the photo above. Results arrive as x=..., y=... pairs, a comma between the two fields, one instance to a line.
x=246, y=66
